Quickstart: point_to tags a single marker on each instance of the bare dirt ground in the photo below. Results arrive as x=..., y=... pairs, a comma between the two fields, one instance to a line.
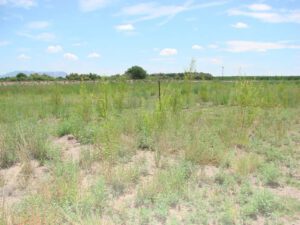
x=71, y=148
x=21, y=180
x=128, y=198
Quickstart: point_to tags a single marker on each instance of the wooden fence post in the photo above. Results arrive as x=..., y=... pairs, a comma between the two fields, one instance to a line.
x=159, y=98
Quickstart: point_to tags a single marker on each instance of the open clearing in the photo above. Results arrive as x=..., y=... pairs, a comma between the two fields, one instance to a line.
x=112, y=153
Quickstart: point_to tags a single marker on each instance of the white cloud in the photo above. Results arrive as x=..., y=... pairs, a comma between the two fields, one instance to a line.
x=252, y=46
x=240, y=25
x=168, y=52
x=19, y=3
x=94, y=55
x=197, y=47
x=4, y=43
x=40, y=37
x=92, y=5
x=24, y=57
x=213, y=46
x=125, y=27
x=259, y=7
x=45, y=36
x=270, y=16
x=151, y=10
x=70, y=56
x=24, y=3
x=54, y=49
x=38, y=25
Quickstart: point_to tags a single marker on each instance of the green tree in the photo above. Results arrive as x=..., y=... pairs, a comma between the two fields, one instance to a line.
x=21, y=76
x=136, y=72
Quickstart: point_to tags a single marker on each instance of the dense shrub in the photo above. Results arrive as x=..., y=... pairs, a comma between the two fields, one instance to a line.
x=136, y=72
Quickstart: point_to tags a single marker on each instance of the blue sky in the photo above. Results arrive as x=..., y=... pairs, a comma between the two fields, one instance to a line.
x=252, y=37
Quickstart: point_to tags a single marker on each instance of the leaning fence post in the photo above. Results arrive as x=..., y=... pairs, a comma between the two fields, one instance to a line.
x=159, y=99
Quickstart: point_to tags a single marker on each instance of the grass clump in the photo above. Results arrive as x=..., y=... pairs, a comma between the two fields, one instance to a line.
x=229, y=215
x=121, y=178
x=145, y=128
x=85, y=108
x=270, y=174
x=64, y=186
x=56, y=101
x=24, y=142
x=274, y=154
x=262, y=202
x=226, y=180
x=35, y=210
x=8, y=155
x=247, y=164
x=204, y=147
x=95, y=199
x=167, y=184
x=65, y=127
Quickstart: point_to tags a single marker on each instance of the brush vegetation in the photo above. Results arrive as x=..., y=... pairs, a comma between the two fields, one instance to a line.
x=208, y=152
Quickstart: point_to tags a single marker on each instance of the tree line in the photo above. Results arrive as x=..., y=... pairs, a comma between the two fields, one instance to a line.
x=136, y=73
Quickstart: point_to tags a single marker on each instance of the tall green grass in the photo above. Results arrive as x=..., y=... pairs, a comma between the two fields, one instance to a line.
x=202, y=115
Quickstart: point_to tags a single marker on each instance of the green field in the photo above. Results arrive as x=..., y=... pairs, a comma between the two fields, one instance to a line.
x=210, y=152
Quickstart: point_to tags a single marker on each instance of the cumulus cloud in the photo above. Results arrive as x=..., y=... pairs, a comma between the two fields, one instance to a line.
x=168, y=52
x=197, y=47
x=38, y=25
x=54, y=49
x=94, y=55
x=23, y=57
x=19, y=3
x=253, y=46
x=125, y=27
x=92, y=5
x=70, y=56
x=240, y=25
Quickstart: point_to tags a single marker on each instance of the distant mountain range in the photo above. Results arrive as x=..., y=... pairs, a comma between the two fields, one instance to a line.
x=50, y=73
